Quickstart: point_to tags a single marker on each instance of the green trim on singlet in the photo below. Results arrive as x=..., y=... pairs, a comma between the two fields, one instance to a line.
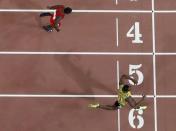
x=122, y=96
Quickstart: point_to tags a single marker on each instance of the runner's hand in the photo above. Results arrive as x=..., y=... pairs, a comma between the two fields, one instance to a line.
x=57, y=30
x=48, y=7
x=143, y=96
x=135, y=81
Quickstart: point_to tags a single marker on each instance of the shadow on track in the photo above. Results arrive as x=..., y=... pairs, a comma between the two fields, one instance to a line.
x=84, y=79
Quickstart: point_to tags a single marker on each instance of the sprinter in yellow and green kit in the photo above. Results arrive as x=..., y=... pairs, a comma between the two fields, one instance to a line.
x=124, y=96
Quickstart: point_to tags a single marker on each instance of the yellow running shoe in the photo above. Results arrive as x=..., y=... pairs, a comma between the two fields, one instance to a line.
x=142, y=107
x=94, y=105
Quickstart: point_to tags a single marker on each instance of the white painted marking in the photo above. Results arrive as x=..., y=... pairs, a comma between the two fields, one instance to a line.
x=56, y=96
x=166, y=53
x=117, y=2
x=132, y=117
x=91, y=11
x=79, y=96
x=134, y=32
x=117, y=32
x=166, y=96
x=26, y=10
x=82, y=53
x=78, y=11
x=134, y=69
x=71, y=53
x=119, y=120
x=154, y=64
x=116, y=96
x=118, y=75
x=165, y=11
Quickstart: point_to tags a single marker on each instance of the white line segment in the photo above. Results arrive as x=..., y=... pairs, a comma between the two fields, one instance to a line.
x=116, y=2
x=117, y=32
x=77, y=11
x=26, y=10
x=82, y=53
x=165, y=11
x=87, y=11
x=166, y=53
x=78, y=96
x=72, y=53
x=118, y=75
x=154, y=65
x=116, y=96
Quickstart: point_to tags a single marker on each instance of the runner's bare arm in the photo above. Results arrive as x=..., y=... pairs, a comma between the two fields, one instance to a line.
x=133, y=103
x=126, y=77
x=58, y=18
x=108, y=107
x=53, y=7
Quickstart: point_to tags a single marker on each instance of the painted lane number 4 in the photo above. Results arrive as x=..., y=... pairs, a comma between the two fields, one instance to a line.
x=134, y=32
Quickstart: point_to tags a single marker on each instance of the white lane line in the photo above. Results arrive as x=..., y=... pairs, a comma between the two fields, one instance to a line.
x=166, y=53
x=83, y=53
x=118, y=75
x=117, y=32
x=79, y=96
x=119, y=120
x=165, y=11
x=116, y=96
x=166, y=96
x=117, y=2
x=88, y=11
x=26, y=10
x=154, y=65
x=55, y=96
x=155, y=93
x=72, y=53
x=78, y=11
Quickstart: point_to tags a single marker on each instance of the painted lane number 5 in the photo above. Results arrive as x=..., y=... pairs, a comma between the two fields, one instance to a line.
x=134, y=32
x=134, y=69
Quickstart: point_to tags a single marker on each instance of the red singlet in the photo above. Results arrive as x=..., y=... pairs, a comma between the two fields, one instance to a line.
x=59, y=12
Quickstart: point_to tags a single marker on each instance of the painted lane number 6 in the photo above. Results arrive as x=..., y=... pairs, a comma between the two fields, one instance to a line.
x=132, y=118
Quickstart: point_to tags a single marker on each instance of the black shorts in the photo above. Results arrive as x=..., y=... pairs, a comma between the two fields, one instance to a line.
x=117, y=105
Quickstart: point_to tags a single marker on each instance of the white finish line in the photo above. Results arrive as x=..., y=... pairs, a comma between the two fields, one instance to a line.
x=77, y=11
x=79, y=96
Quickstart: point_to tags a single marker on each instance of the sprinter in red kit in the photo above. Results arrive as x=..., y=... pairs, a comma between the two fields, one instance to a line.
x=55, y=18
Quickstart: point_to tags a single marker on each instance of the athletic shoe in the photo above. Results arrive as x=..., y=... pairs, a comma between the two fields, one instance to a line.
x=47, y=28
x=142, y=107
x=94, y=105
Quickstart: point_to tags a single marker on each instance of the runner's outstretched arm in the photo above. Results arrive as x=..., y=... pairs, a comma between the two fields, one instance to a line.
x=107, y=107
x=53, y=7
x=133, y=103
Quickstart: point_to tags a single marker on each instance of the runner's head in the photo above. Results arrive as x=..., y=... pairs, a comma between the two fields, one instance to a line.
x=126, y=88
x=67, y=10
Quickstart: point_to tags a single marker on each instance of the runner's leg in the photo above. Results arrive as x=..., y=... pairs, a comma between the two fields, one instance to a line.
x=45, y=14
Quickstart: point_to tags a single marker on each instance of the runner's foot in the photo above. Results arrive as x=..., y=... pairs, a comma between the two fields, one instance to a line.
x=94, y=105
